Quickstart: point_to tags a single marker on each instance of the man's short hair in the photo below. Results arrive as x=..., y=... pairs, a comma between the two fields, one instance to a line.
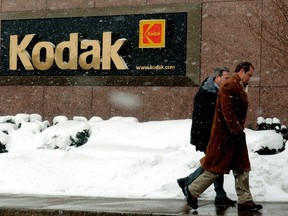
x=244, y=65
x=219, y=71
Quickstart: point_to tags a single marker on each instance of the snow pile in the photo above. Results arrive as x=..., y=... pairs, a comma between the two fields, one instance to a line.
x=122, y=157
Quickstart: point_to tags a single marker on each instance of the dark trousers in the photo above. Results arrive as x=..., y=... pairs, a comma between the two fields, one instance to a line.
x=218, y=183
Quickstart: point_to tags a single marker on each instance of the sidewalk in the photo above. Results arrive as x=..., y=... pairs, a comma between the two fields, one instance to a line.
x=25, y=205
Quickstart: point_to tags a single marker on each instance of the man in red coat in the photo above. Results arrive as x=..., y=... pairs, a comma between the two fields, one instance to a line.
x=227, y=148
x=202, y=120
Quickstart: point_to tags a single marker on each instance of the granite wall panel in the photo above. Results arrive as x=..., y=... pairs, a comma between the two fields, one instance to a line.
x=67, y=100
x=157, y=102
x=226, y=40
x=21, y=99
x=117, y=3
x=19, y=5
x=274, y=56
x=273, y=103
x=101, y=106
x=126, y=101
x=254, y=109
x=69, y=4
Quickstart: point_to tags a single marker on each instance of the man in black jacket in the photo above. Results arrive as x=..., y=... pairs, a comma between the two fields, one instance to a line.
x=202, y=119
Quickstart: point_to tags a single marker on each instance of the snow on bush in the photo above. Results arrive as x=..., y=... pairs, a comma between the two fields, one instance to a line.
x=20, y=131
x=6, y=119
x=65, y=134
x=7, y=127
x=59, y=119
x=264, y=141
x=20, y=118
x=272, y=128
x=3, y=142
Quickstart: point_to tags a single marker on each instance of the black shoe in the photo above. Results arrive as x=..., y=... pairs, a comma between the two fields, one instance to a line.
x=224, y=201
x=191, y=200
x=249, y=206
x=181, y=182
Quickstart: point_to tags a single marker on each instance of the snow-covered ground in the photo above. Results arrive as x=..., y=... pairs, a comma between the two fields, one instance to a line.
x=122, y=158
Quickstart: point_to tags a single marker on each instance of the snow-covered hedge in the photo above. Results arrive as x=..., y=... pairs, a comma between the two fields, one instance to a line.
x=274, y=125
x=65, y=134
x=62, y=134
x=30, y=131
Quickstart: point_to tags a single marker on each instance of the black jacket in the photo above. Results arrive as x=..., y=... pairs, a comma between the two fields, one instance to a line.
x=203, y=113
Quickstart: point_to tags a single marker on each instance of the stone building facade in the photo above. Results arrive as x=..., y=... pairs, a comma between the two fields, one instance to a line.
x=227, y=37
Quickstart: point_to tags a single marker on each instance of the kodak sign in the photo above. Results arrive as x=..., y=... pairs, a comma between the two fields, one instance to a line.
x=111, y=48
x=55, y=54
x=152, y=33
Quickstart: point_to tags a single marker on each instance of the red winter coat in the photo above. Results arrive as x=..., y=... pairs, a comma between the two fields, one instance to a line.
x=224, y=153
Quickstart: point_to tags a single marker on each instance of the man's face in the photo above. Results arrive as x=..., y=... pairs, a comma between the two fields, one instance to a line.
x=246, y=76
x=221, y=79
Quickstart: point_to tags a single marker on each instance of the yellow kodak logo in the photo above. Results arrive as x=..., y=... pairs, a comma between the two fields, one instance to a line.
x=152, y=33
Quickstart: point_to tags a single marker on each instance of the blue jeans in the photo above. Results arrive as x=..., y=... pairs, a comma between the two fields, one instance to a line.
x=218, y=184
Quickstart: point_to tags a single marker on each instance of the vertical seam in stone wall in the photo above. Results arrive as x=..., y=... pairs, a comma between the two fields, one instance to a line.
x=91, y=103
x=200, y=47
x=261, y=52
x=87, y=3
x=43, y=102
x=142, y=104
x=144, y=98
